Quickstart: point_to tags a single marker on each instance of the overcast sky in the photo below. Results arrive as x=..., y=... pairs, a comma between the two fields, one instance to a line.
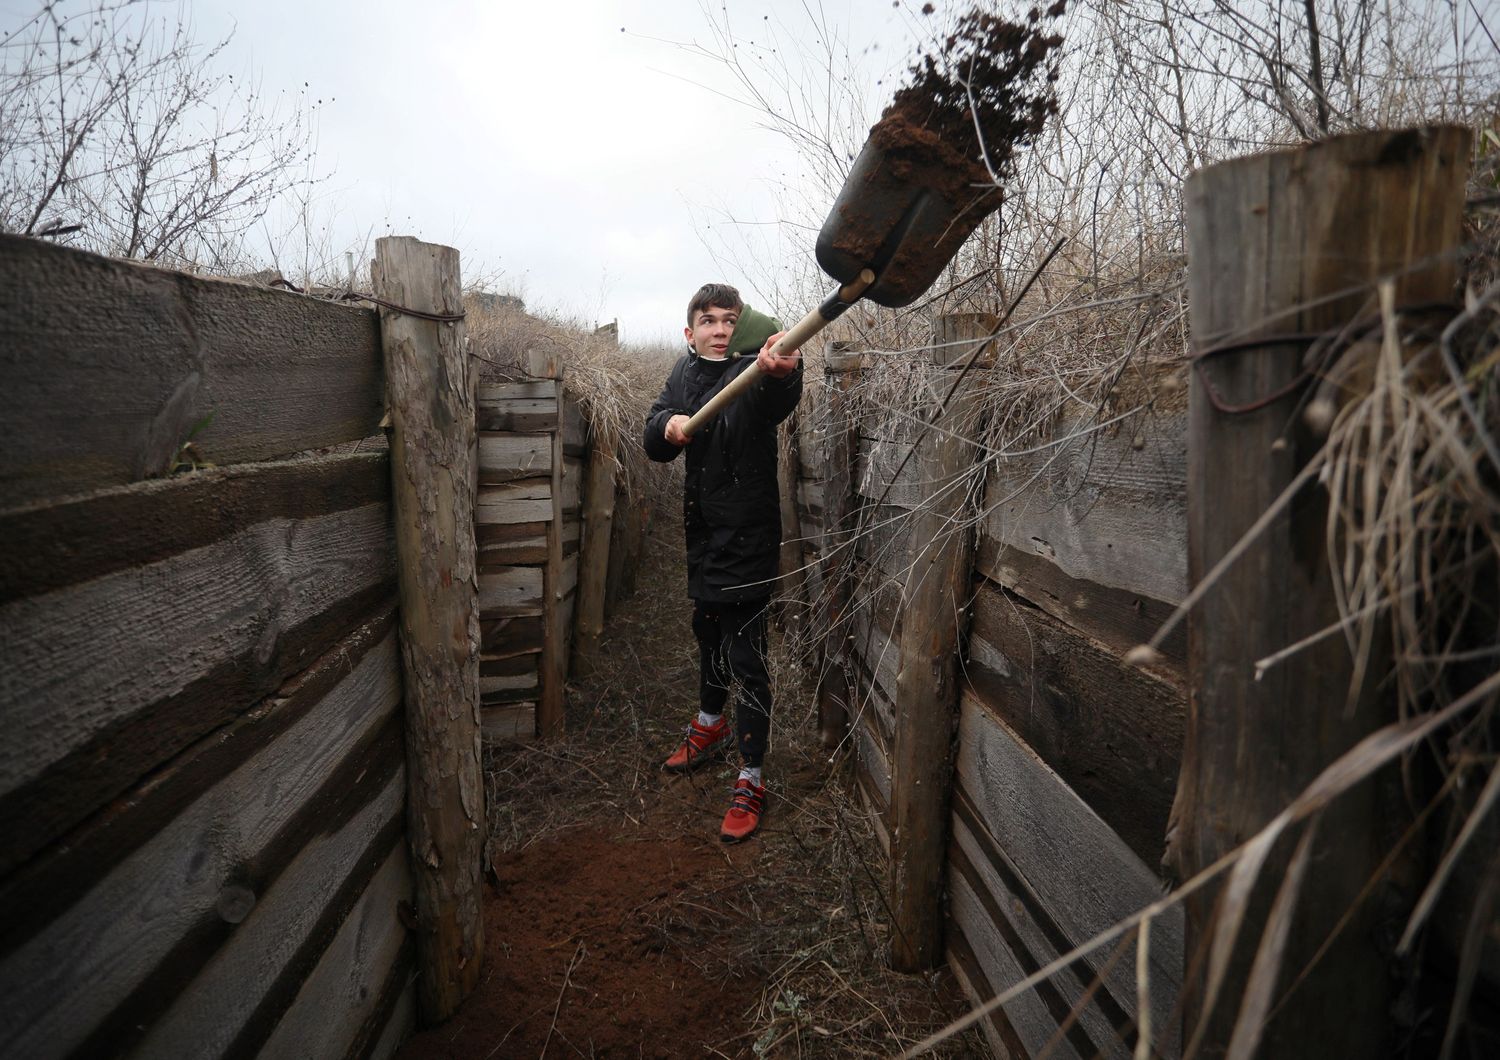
x=581, y=163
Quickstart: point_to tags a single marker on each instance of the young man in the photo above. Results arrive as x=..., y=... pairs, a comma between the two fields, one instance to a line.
x=732, y=512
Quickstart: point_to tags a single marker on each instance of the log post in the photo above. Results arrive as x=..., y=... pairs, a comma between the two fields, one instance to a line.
x=934, y=600
x=791, y=584
x=552, y=672
x=624, y=550
x=598, y=527
x=840, y=515
x=1281, y=245
x=430, y=394
x=593, y=553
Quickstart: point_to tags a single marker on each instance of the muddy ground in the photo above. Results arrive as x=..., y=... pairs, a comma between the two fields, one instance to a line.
x=616, y=922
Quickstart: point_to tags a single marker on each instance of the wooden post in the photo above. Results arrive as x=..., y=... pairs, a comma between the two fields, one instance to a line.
x=552, y=673
x=936, y=595
x=430, y=394
x=598, y=528
x=1280, y=244
x=593, y=555
x=624, y=550
x=790, y=585
x=841, y=441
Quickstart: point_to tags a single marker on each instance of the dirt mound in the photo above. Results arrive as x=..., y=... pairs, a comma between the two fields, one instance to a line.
x=580, y=955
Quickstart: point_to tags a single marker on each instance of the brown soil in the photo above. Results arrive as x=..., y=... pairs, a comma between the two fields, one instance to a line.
x=580, y=957
x=986, y=90
x=617, y=924
x=954, y=129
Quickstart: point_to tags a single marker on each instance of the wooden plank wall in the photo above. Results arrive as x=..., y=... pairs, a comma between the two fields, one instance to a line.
x=203, y=782
x=1067, y=759
x=517, y=425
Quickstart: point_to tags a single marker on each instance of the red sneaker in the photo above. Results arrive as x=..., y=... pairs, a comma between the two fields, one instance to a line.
x=745, y=811
x=702, y=744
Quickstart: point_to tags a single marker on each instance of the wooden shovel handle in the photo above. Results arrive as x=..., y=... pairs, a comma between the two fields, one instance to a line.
x=799, y=333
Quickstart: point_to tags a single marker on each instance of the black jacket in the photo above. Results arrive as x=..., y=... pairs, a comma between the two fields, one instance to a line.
x=731, y=504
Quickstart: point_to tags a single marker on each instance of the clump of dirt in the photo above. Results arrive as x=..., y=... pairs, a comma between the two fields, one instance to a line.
x=985, y=92
x=932, y=168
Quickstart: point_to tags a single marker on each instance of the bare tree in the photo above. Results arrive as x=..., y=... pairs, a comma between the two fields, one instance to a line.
x=119, y=135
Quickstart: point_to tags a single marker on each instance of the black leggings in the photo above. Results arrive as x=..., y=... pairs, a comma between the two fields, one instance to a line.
x=732, y=648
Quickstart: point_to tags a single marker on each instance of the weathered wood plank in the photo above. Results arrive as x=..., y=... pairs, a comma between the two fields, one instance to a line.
x=813, y=435
x=400, y=1024
x=517, y=591
x=873, y=755
x=504, y=636
x=507, y=722
x=52, y=545
x=884, y=540
x=572, y=489
x=1082, y=870
x=810, y=498
x=199, y=638
x=962, y=962
x=877, y=653
x=344, y=990
x=1027, y=1012
x=508, y=665
x=284, y=932
x=517, y=407
x=497, y=395
x=503, y=696
x=869, y=796
x=1094, y=529
x=504, y=545
x=154, y=918
x=575, y=427
x=510, y=457
x=1019, y=921
x=110, y=365
x=522, y=679
x=64, y=871
x=1113, y=732
x=527, y=501
x=1117, y=618
x=875, y=467
x=495, y=534
x=378, y=1034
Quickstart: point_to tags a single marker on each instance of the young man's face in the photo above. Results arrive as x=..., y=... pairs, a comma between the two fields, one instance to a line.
x=710, y=331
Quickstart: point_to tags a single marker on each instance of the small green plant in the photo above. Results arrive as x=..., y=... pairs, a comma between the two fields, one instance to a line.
x=187, y=457
x=788, y=1003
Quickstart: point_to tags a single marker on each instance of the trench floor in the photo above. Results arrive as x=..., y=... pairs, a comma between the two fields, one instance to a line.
x=616, y=922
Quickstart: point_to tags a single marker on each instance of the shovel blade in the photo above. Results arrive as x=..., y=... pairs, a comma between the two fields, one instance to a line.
x=887, y=218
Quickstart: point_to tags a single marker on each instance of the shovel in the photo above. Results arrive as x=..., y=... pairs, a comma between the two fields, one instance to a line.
x=887, y=238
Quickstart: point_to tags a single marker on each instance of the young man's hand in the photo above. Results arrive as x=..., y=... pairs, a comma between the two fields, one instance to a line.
x=780, y=365
x=673, y=430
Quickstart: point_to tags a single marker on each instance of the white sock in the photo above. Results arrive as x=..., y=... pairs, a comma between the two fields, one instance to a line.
x=708, y=721
x=750, y=773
